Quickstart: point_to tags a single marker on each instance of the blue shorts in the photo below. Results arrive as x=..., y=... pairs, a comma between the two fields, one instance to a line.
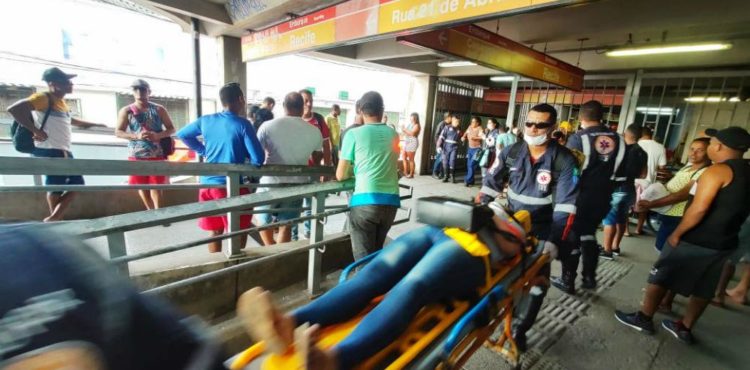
x=58, y=179
x=267, y=218
x=618, y=209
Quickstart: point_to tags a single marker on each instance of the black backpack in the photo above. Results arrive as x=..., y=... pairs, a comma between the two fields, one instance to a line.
x=636, y=159
x=23, y=139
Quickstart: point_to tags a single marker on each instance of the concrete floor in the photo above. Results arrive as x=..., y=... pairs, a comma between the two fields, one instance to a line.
x=595, y=340
x=589, y=339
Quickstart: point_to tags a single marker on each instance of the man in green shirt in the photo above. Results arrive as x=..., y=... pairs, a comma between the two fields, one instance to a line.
x=370, y=154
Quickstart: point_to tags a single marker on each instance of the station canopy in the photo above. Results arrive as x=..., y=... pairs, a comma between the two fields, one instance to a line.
x=374, y=33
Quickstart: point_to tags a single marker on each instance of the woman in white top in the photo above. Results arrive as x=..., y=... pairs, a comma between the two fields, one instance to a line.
x=411, y=143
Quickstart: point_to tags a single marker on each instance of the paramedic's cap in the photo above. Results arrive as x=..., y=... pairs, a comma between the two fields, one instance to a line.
x=140, y=83
x=55, y=74
x=734, y=137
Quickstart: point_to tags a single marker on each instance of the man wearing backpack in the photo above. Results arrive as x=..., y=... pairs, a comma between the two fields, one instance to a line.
x=604, y=152
x=542, y=179
x=623, y=197
x=48, y=118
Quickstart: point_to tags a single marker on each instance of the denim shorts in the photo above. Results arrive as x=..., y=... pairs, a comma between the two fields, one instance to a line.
x=58, y=179
x=618, y=209
x=267, y=218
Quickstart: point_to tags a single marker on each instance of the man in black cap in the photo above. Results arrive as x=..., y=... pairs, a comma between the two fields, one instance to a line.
x=706, y=237
x=52, y=135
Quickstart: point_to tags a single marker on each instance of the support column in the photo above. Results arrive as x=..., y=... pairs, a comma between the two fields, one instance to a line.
x=232, y=68
x=197, y=83
x=630, y=100
x=510, y=120
x=422, y=101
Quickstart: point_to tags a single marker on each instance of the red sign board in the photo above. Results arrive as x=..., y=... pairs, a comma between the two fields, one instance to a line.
x=478, y=45
x=358, y=20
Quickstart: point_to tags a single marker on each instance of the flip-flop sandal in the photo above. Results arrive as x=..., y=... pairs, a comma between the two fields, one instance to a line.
x=257, y=313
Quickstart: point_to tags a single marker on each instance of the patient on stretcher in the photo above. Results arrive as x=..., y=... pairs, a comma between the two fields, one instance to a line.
x=424, y=266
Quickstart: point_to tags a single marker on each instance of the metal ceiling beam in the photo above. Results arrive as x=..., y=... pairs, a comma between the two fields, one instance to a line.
x=201, y=9
x=387, y=49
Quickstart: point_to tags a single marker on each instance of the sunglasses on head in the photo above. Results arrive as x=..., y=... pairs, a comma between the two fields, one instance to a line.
x=538, y=125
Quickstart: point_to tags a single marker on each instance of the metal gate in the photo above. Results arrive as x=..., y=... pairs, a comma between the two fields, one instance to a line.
x=609, y=90
x=455, y=97
x=680, y=106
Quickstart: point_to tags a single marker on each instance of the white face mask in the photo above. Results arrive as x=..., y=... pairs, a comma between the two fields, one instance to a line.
x=535, y=140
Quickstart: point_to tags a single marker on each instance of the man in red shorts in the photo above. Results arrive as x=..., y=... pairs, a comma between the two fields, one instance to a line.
x=228, y=137
x=144, y=124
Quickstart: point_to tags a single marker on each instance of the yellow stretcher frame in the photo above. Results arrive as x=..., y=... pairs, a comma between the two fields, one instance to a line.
x=415, y=341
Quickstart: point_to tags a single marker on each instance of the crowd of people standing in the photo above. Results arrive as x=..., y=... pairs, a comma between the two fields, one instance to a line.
x=238, y=135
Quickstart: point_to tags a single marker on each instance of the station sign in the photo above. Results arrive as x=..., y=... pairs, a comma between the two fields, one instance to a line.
x=358, y=20
x=486, y=48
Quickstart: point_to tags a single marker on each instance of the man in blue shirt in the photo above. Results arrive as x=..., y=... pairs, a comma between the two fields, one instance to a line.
x=228, y=137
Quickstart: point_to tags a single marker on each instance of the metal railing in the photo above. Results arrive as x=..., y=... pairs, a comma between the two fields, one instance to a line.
x=235, y=205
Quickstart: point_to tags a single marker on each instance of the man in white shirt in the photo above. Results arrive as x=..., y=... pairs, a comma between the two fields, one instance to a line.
x=657, y=160
x=48, y=117
x=287, y=140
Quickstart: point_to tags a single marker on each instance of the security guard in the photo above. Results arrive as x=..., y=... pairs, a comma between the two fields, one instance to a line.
x=603, y=152
x=542, y=179
x=448, y=144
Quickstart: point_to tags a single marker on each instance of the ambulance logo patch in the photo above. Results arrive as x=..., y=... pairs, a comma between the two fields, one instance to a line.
x=604, y=145
x=543, y=178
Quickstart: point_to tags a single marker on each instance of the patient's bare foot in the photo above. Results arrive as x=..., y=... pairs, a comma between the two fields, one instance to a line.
x=738, y=296
x=314, y=358
x=264, y=322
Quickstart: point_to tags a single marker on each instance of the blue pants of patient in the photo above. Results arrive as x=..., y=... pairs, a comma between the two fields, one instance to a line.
x=421, y=267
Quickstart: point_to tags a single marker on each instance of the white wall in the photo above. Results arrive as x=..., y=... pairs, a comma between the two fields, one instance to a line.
x=702, y=116
x=418, y=101
x=97, y=106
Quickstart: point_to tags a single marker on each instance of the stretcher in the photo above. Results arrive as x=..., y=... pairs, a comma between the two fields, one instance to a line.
x=442, y=336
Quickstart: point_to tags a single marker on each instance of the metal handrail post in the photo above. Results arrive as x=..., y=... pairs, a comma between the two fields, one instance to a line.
x=314, y=254
x=233, y=190
x=117, y=248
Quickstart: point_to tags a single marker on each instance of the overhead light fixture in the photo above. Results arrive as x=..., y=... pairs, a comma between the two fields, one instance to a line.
x=668, y=49
x=655, y=110
x=711, y=99
x=456, y=63
x=502, y=78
